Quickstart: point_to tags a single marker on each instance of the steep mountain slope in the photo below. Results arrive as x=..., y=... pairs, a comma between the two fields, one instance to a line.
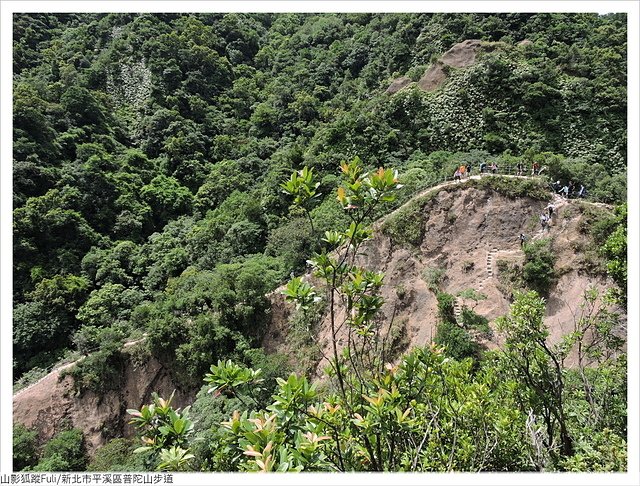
x=466, y=231
x=51, y=405
x=149, y=151
x=145, y=144
x=469, y=233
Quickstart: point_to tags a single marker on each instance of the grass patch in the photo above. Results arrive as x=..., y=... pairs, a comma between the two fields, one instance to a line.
x=117, y=455
x=406, y=226
x=509, y=277
x=538, y=271
x=473, y=320
x=433, y=276
x=468, y=265
x=513, y=187
x=29, y=378
x=596, y=222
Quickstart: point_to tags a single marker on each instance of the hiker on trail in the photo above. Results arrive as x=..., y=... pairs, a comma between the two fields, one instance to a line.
x=494, y=167
x=522, y=239
x=462, y=170
x=519, y=168
x=550, y=209
x=556, y=186
x=483, y=167
x=582, y=192
x=535, y=168
x=457, y=175
x=564, y=192
x=572, y=188
x=468, y=167
x=544, y=220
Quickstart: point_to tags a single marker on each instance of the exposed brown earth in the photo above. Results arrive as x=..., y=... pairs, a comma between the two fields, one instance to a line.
x=433, y=78
x=398, y=84
x=461, y=55
x=51, y=405
x=466, y=233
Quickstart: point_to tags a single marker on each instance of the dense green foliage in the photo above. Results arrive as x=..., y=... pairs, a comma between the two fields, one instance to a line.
x=206, y=315
x=116, y=455
x=149, y=143
x=65, y=451
x=517, y=410
x=615, y=250
x=153, y=195
x=24, y=447
x=538, y=271
x=455, y=340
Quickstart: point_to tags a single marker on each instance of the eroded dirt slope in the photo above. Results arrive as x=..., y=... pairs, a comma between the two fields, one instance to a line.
x=466, y=232
x=51, y=405
x=460, y=55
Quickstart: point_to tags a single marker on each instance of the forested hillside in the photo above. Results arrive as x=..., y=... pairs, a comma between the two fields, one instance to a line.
x=149, y=156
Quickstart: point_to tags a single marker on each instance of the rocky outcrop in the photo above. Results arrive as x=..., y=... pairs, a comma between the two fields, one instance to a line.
x=468, y=233
x=398, y=84
x=433, y=78
x=52, y=405
x=461, y=55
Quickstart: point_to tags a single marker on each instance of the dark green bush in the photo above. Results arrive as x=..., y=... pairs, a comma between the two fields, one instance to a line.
x=207, y=413
x=472, y=320
x=100, y=371
x=64, y=452
x=601, y=182
x=512, y=187
x=406, y=226
x=538, y=270
x=433, y=277
x=445, y=307
x=329, y=215
x=596, y=221
x=456, y=341
x=116, y=455
x=25, y=452
x=603, y=452
x=53, y=463
x=291, y=242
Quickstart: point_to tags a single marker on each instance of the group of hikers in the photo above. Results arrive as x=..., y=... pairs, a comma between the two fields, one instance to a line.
x=535, y=169
x=493, y=167
x=546, y=218
x=465, y=169
x=569, y=190
x=548, y=215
